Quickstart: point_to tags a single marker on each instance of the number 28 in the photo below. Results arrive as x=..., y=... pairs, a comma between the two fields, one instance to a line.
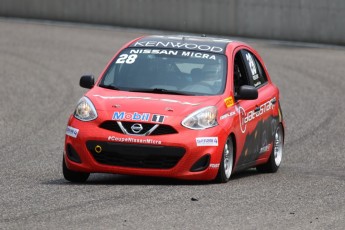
x=125, y=58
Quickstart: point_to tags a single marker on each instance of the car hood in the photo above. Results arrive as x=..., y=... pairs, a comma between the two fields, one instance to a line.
x=164, y=104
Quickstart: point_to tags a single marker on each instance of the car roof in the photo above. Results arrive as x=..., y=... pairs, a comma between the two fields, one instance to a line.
x=182, y=42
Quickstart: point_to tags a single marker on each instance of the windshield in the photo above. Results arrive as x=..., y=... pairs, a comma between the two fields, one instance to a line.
x=167, y=71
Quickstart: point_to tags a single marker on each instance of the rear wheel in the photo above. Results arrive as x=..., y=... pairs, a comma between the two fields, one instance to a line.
x=226, y=164
x=73, y=176
x=275, y=159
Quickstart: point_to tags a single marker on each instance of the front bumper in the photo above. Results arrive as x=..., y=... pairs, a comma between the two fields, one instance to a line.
x=172, y=155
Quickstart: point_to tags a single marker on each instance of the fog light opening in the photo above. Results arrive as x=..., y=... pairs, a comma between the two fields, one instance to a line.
x=201, y=164
x=72, y=154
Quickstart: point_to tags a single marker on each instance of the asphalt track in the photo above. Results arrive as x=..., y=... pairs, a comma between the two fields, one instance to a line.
x=40, y=67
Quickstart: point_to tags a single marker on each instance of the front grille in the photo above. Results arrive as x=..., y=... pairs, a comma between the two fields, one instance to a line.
x=160, y=130
x=135, y=156
x=111, y=125
x=128, y=125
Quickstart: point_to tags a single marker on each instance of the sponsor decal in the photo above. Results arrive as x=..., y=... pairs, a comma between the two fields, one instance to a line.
x=242, y=114
x=130, y=59
x=134, y=140
x=198, y=55
x=214, y=166
x=157, y=118
x=227, y=115
x=153, y=51
x=257, y=84
x=264, y=149
x=207, y=141
x=252, y=67
x=72, y=132
x=179, y=45
x=121, y=116
x=251, y=115
x=147, y=98
x=131, y=116
x=229, y=101
x=259, y=141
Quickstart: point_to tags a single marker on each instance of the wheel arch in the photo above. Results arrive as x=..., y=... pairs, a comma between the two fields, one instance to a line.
x=283, y=127
x=233, y=137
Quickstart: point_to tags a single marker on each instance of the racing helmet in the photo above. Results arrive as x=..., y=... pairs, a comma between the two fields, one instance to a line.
x=212, y=71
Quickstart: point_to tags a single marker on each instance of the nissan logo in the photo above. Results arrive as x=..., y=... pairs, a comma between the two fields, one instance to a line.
x=136, y=128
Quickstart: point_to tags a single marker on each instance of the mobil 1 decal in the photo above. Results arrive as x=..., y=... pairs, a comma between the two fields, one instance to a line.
x=158, y=118
x=125, y=116
x=259, y=141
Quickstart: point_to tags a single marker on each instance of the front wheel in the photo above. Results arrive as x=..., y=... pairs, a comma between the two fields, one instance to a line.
x=275, y=159
x=226, y=164
x=73, y=176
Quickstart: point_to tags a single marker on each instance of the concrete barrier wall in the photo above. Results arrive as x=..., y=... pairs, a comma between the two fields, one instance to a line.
x=300, y=20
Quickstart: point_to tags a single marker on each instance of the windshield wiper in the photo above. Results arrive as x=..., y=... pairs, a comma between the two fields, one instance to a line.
x=108, y=86
x=160, y=91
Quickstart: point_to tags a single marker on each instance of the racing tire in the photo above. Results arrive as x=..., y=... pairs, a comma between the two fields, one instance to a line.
x=275, y=159
x=73, y=176
x=226, y=163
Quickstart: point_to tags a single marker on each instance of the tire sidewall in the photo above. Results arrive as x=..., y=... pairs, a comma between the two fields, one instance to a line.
x=221, y=176
x=272, y=157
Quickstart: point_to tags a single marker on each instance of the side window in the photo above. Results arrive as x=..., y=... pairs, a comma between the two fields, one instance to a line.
x=255, y=72
x=240, y=76
x=262, y=74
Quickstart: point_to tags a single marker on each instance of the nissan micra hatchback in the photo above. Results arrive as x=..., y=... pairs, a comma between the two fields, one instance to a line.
x=184, y=107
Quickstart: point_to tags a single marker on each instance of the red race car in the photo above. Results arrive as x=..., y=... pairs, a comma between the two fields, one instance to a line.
x=185, y=107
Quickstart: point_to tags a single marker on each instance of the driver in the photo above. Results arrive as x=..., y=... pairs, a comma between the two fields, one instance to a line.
x=211, y=76
x=211, y=73
x=208, y=79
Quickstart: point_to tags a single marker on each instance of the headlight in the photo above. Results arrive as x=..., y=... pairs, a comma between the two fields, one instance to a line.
x=201, y=119
x=85, y=110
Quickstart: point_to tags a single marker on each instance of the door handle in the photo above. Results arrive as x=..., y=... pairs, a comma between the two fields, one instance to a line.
x=257, y=109
x=273, y=101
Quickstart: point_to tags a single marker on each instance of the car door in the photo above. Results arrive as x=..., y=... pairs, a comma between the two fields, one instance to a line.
x=243, y=108
x=255, y=115
x=262, y=122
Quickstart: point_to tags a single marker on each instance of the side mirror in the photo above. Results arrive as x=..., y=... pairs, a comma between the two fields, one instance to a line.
x=87, y=81
x=247, y=92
